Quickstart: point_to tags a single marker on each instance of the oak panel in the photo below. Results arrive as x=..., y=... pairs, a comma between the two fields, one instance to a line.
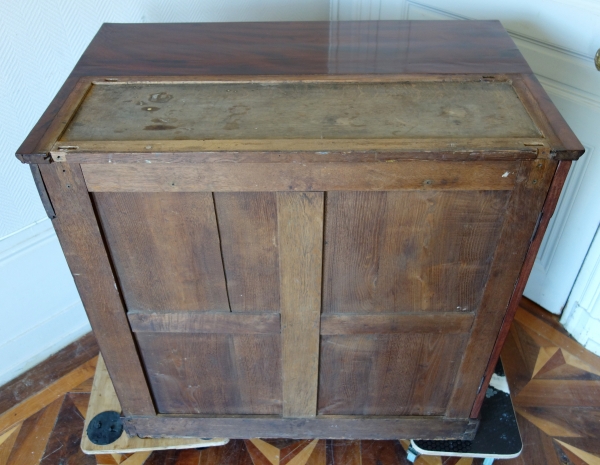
x=300, y=177
x=220, y=374
x=165, y=249
x=388, y=374
x=344, y=323
x=204, y=322
x=326, y=426
x=409, y=251
x=248, y=231
x=300, y=228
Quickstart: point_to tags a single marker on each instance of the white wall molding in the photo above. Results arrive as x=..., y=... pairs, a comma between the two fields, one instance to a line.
x=582, y=312
x=41, y=309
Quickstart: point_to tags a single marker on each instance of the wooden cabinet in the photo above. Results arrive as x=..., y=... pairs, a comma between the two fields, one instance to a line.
x=286, y=239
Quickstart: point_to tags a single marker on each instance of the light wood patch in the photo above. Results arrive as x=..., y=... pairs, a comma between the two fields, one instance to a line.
x=300, y=227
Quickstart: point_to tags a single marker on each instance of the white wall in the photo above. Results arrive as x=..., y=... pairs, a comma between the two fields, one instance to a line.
x=40, y=42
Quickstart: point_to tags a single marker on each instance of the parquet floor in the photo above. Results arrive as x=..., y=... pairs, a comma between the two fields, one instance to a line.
x=555, y=385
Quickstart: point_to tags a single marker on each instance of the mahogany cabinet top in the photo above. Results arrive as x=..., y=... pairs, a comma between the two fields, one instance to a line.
x=301, y=48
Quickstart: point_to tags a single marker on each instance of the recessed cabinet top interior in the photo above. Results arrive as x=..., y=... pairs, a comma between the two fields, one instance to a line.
x=290, y=239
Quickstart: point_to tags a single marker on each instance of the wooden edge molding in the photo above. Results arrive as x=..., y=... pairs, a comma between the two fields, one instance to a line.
x=244, y=78
x=563, y=142
x=206, y=322
x=341, y=324
x=322, y=427
x=262, y=177
x=550, y=203
x=200, y=151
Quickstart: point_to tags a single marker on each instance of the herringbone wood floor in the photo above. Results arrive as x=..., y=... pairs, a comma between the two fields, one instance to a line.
x=555, y=385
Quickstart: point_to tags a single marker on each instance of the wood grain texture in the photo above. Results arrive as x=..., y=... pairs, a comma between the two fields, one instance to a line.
x=104, y=398
x=337, y=324
x=329, y=426
x=468, y=150
x=300, y=230
x=49, y=371
x=520, y=220
x=165, y=249
x=409, y=251
x=82, y=243
x=300, y=110
x=261, y=177
x=248, y=232
x=213, y=374
x=203, y=322
x=42, y=399
x=33, y=435
x=550, y=203
x=388, y=374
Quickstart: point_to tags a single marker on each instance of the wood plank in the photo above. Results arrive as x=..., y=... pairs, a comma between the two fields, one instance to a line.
x=388, y=374
x=300, y=230
x=556, y=338
x=550, y=203
x=157, y=153
x=520, y=221
x=165, y=249
x=409, y=251
x=104, y=398
x=248, y=232
x=48, y=371
x=35, y=403
x=203, y=322
x=33, y=436
x=262, y=177
x=330, y=426
x=300, y=110
x=337, y=324
x=559, y=393
x=82, y=243
x=213, y=374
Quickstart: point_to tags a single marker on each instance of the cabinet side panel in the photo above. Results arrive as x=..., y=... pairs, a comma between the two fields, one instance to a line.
x=80, y=238
x=248, y=231
x=214, y=374
x=165, y=248
x=520, y=222
x=414, y=251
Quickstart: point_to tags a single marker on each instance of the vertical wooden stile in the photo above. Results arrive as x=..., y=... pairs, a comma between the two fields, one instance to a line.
x=300, y=230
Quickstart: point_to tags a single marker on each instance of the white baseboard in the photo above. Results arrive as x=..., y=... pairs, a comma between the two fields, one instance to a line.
x=40, y=308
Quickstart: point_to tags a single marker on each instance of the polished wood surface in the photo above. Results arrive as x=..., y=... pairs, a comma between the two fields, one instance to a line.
x=537, y=348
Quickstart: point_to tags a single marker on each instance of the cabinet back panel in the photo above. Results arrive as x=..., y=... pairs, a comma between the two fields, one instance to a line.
x=248, y=231
x=388, y=374
x=225, y=374
x=165, y=248
x=414, y=251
